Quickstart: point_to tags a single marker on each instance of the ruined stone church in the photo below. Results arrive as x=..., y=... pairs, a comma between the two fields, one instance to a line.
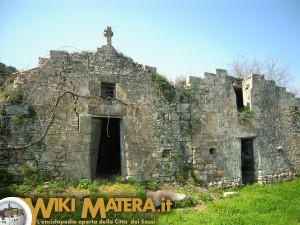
x=94, y=114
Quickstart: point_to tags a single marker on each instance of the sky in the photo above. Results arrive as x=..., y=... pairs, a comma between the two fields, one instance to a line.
x=12, y=204
x=178, y=37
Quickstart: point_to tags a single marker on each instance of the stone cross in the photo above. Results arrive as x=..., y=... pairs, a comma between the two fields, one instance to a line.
x=108, y=34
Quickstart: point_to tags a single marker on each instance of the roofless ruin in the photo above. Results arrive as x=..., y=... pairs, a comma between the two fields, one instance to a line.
x=97, y=114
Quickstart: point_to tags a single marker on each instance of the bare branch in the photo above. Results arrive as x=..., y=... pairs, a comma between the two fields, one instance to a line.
x=270, y=68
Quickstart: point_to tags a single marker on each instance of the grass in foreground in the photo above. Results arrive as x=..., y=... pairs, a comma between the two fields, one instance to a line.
x=274, y=204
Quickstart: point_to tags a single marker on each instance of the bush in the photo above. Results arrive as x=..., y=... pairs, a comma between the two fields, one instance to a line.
x=83, y=184
x=32, y=176
x=187, y=202
x=205, y=197
x=246, y=114
x=57, y=186
x=7, y=192
x=152, y=185
x=3, y=112
x=15, y=97
x=6, y=177
x=39, y=188
x=165, y=86
x=24, y=188
x=94, y=189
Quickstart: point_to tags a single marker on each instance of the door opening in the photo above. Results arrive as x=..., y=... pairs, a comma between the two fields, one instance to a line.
x=109, y=156
x=105, y=147
x=247, y=161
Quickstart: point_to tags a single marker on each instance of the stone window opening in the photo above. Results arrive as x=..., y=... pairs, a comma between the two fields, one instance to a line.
x=212, y=151
x=166, y=153
x=239, y=99
x=108, y=91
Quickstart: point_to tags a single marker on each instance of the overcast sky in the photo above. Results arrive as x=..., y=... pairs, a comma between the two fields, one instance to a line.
x=186, y=37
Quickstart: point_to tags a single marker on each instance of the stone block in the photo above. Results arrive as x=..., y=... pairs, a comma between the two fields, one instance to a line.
x=183, y=108
x=173, y=116
x=175, y=127
x=221, y=72
x=85, y=124
x=74, y=157
x=191, y=80
x=16, y=110
x=49, y=156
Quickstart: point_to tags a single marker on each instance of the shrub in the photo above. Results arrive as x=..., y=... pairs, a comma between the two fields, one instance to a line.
x=15, y=97
x=165, y=86
x=7, y=192
x=83, y=184
x=57, y=186
x=245, y=115
x=24, y=188
x=205, y=197
x=3, y=112
x=39, y=188
x=94, y=189
x=32, y=176
x=187, y=202
x=6, y=177
x=152, y=185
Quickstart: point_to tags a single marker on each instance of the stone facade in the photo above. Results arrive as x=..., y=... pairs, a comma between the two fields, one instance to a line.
x=101, y=111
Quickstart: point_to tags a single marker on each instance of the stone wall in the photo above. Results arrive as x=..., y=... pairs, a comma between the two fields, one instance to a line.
x=65, y=91
x=164, y=129
x=278, y=129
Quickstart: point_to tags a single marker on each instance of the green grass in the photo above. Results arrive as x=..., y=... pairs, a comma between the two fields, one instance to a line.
x=266, y=205
x=275, y=204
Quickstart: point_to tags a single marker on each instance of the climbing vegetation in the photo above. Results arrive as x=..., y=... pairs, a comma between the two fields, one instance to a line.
x=166, y=88
x=246, y=114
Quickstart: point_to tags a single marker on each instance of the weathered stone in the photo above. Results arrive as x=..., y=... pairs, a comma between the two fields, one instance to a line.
x=230, y=193
x=205, y=124
x=85, y=124
x=48, y=156
x=16, y=110
x=158, y=195
x=183, y=107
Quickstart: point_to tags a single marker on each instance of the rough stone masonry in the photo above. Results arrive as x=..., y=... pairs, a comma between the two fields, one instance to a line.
x=98, y=114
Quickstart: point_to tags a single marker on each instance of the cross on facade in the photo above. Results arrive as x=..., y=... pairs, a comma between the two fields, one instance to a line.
x=108, y=34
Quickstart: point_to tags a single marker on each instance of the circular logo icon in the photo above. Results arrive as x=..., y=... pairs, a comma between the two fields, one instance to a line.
x=14, y=211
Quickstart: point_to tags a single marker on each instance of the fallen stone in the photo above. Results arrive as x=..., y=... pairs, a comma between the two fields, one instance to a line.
x=158, y=195
x=230, y=193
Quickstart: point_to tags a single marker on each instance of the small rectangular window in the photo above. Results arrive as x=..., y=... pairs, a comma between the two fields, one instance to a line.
x=108, y=91
x=239, y=99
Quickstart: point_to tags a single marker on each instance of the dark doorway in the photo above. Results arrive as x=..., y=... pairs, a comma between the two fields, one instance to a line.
x=109, y=157
x=247, y=161
x=239, y=99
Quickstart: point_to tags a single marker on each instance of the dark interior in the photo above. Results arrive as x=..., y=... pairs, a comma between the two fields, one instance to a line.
x=109, y=157
x=247, y=159
x=239, y=99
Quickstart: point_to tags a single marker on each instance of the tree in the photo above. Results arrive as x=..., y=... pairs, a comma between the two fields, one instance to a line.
x=270, y=68
x=5, y=72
